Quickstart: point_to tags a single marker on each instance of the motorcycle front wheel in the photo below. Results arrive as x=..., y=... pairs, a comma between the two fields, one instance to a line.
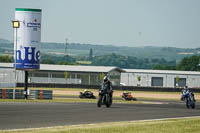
x=99, y=103
x=187, y=104
x=108, y=101
x=193, y=103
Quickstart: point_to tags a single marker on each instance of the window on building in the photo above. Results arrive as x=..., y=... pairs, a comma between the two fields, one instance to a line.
x=94, y=79
x=42, y=74
x=180, y=82
x=157, y=81
x=58, y=75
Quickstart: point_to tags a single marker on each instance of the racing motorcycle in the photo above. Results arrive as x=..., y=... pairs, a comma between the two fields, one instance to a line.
x=105, y=96
x=128, y=96
x=189, y=98
x=87, y=94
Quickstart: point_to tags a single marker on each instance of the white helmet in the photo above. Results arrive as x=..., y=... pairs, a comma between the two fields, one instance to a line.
x=105, y=79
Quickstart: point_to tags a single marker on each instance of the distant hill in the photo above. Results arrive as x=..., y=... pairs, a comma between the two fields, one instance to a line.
x=76, y=49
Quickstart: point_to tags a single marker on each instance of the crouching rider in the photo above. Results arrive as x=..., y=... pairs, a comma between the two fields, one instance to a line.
x=106, y=82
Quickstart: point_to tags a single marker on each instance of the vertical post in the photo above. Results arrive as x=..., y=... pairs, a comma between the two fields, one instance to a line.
x=15, y=62
x=89, y=78
x=166, y=81
x=128, y=79
x=16, y=25
x=26, y=84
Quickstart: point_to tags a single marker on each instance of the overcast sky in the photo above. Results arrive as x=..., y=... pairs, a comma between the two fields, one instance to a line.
x=117, y=22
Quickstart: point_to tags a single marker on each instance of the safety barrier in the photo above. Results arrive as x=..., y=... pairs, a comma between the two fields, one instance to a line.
x=8, y=94
x=43, y=94
x=19, y=94
x=127, y=88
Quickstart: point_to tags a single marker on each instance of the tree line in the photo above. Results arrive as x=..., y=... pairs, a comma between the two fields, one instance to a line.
x=129, y=62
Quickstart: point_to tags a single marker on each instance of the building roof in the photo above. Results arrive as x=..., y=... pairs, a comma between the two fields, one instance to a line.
x=162, y=72
x=70, y=68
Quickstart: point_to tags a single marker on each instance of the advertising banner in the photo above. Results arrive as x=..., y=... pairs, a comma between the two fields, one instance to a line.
x=27, y=38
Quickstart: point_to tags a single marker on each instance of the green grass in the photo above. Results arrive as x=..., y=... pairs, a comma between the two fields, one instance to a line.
x=84, y=62
x=186, y=125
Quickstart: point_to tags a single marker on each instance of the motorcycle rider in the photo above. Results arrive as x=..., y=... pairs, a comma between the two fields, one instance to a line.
x=185, y=92
x=85, y=90
x=106, y=81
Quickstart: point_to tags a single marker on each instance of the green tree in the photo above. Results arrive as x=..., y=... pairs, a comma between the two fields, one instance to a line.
x=66, y=75
x=101, y=76
x=139, y=79
x=47, y=61
x=189, y=64
x=6, y=59
x=91, y=55
x=177, y=80
x=163, y=67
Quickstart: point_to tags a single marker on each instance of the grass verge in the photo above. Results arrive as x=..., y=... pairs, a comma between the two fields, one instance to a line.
x=191, y=125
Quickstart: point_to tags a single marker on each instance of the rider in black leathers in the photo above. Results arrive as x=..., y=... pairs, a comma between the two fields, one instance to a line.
x=106, y=81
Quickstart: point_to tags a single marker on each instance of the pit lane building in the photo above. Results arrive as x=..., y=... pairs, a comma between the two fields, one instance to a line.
x=161, y=78
x=60, y=74
x=92, y=75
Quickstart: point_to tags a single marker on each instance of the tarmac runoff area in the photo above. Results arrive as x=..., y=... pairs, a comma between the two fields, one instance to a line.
x=35, y=115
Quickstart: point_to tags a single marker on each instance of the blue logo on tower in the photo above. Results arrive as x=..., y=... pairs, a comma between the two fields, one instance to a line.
x=28, y=58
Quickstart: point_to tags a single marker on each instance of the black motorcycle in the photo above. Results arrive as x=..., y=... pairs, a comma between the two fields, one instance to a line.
x=189, y=98
x=87, y=94
x=105, y=97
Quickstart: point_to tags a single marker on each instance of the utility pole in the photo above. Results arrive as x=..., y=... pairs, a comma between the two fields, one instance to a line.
x=66, y=44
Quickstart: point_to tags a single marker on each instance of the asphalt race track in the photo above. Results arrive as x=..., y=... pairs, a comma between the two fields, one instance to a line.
x=34, y=115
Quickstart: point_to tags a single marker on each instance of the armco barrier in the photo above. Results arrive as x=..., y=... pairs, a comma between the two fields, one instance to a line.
x=32, y=94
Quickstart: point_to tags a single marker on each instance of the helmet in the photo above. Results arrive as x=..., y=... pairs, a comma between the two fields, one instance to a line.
x=186, y=87
x=85, y=90
x=105, y=79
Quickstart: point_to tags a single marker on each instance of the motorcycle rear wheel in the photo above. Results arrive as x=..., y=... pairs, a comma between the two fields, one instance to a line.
x=193, y=106
x=108, y=101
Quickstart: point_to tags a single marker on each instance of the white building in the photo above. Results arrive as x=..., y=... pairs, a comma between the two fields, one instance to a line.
x=90, y=75
x=163, y=78
x=56, y=74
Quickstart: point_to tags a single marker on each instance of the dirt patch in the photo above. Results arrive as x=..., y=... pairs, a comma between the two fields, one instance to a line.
x=158, y=95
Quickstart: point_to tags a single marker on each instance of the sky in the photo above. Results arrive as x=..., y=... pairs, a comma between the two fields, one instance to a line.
x=170, y=23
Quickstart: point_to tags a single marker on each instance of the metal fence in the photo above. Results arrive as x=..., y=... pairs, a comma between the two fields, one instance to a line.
x=7, y=78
